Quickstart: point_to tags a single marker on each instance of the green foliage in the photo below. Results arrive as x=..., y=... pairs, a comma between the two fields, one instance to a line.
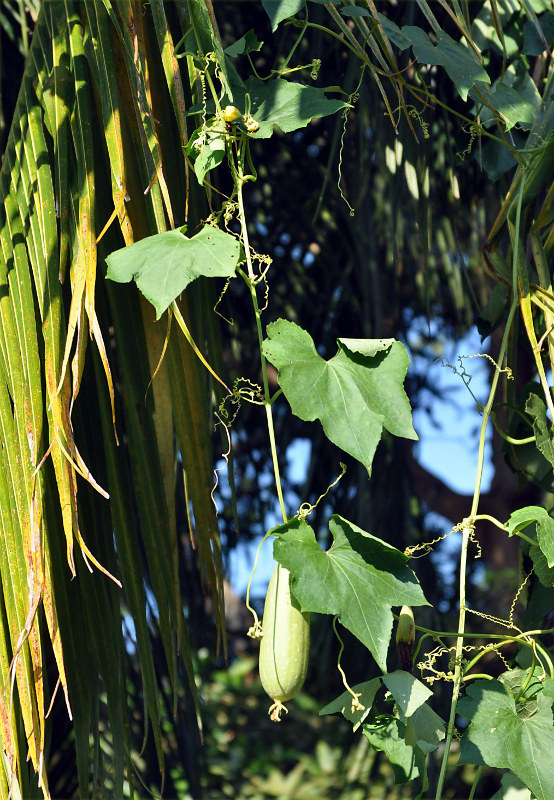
x=406, y=731
x=163, y=265
x=505, y=733
x=408, y=763
x=460, y=62
x=358, y=579
x=278, y=10
x=355, y=394
x=287, y=105
x=544, y=437
x=544, y=528
x=359, y=392
x=162, y=112
x=539, y=34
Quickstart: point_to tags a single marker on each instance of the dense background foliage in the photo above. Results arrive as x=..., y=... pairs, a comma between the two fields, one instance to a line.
x=408, y=263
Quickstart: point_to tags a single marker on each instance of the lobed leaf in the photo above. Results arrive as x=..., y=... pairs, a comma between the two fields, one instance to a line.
x=523, y=517
x=365, y=693
x=358, y=579
x=536, y=409
x=460, y=62
x=163, y=265
x=278, y=10
x=408, y=763
x=287, y=105
x=499, y=737
x=355, y=394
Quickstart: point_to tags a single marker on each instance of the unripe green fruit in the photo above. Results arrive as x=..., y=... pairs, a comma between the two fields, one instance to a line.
x=285, y=644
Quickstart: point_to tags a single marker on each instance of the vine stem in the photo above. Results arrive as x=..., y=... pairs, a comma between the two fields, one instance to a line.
x=467, y=530
x=251, y=282
x=469, y=521
x=475, y=781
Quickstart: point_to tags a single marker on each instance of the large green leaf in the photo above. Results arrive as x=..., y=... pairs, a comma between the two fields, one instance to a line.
x=409, y=693
x=287, y=105
x=499, y=737
x=278, y=10
x=512, y=107
x=523, y=517
x=460, y=62
x=365, y=692
x=424, y=729
x=358, y=579
x=407, y=762
x=536, y=409
x=355, y=394
x=163, y=265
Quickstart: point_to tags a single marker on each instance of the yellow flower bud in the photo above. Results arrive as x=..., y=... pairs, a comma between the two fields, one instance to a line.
x=231, y=114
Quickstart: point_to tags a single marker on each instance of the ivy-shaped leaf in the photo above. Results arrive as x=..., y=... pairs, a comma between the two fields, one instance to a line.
x=408, y=763
x=499, y=737
x=358, y=579
x=287, y=105
x=536, y=409
x=460, y=62
x=355, y=394
x=343, y=704
x=278, y=10
x=409, y=693
x=523, y=517
x=248, y=43
x=512, y=107
x=163, y=265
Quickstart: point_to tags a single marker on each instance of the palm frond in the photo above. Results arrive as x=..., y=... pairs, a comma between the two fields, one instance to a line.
x=83, y=173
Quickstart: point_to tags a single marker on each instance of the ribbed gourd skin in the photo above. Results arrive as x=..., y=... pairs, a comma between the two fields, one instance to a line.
x=285, y=643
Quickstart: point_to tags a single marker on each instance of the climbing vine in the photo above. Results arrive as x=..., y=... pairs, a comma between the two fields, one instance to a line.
x=361, y=581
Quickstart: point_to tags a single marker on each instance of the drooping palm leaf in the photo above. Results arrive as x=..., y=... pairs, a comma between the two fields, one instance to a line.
x=84, y=173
